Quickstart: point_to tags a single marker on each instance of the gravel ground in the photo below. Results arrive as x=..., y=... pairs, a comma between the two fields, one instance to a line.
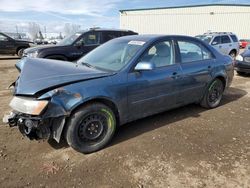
x=185, y=147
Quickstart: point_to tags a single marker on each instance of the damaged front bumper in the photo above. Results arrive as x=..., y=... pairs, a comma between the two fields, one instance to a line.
x=36, y=127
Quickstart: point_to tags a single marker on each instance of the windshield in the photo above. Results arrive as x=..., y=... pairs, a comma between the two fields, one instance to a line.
x=113, y=55
x=69, y=40
x=205, y=38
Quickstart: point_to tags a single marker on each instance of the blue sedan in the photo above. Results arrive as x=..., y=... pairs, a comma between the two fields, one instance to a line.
x=123, y=80
x=242, y=65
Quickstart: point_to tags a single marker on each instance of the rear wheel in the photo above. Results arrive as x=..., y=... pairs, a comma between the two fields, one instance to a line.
x=233, y=54
x=213, y=95
x=91, y=128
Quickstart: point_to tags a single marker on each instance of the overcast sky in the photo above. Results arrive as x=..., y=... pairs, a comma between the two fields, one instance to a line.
x=87, y=13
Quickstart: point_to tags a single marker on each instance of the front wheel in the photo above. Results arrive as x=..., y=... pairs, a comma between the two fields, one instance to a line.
x=20, y=52
x=90, y=128
x=213, y=95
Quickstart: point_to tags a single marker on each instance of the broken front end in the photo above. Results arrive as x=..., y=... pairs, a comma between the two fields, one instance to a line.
x=36, y=119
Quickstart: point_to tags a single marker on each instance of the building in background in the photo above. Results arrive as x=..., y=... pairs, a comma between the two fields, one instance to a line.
x=189, y=20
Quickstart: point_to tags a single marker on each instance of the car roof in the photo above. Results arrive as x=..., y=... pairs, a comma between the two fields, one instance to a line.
x=104, y=29
x=218, y=33
x=150, y=37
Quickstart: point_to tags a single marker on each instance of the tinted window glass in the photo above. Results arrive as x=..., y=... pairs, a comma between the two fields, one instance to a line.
x=191, y=51
x=160, y=54
x=225, y=39
x=110, y=35
x=216, y=40
x=234, y=38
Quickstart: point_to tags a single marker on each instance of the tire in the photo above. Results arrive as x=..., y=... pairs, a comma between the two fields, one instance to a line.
x=233, y=54
x=90, y=128
x=20, y=52
x=213, y=95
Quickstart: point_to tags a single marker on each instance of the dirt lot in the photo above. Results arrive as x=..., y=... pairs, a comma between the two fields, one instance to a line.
x=186, y=147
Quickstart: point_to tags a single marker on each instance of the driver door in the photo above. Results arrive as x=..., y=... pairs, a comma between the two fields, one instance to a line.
x=87, y=43
x=154, y=90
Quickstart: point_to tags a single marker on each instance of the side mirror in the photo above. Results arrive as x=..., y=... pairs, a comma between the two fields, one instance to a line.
x=214, y=43
x=144, y=66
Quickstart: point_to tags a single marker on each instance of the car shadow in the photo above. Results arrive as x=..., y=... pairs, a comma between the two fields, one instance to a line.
x=136, y=128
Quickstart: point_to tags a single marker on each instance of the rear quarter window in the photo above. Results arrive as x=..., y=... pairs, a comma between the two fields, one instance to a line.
x=191, y=51
x=234, y=38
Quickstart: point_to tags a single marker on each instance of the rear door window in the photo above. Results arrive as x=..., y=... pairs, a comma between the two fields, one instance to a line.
x=225, y=39
x=110, y=35
x=191, y=51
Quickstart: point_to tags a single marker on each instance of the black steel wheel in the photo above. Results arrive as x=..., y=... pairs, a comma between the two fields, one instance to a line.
x=90, y=128
x=213, y=95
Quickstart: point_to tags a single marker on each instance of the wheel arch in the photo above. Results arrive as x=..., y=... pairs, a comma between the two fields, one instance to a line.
x=220, y=77
x=112, y=105
x=233, y=50
x=19, y=48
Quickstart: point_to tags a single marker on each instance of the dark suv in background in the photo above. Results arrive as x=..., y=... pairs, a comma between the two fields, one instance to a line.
x=12, y=46
x=75, y=46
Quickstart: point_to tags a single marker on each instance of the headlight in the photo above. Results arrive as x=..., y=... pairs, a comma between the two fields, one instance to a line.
x=28, y=106
x=32, y=54
x=239, y=58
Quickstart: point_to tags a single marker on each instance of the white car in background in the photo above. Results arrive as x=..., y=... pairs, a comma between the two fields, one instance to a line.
x=225, y=42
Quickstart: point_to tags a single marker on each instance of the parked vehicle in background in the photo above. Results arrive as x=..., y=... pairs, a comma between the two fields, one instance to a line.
x=125, y=79
x=242, y=65
x=75, y=46
x=12, y=46
x=225, y=42
x=244, y=43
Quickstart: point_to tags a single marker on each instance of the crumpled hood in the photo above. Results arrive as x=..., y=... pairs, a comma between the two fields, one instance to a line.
x=37, y=75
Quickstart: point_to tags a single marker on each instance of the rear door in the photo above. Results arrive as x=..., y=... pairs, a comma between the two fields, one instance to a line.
x=196, y=63
x=109, y=35
x=155, y=90
x=226, y=44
